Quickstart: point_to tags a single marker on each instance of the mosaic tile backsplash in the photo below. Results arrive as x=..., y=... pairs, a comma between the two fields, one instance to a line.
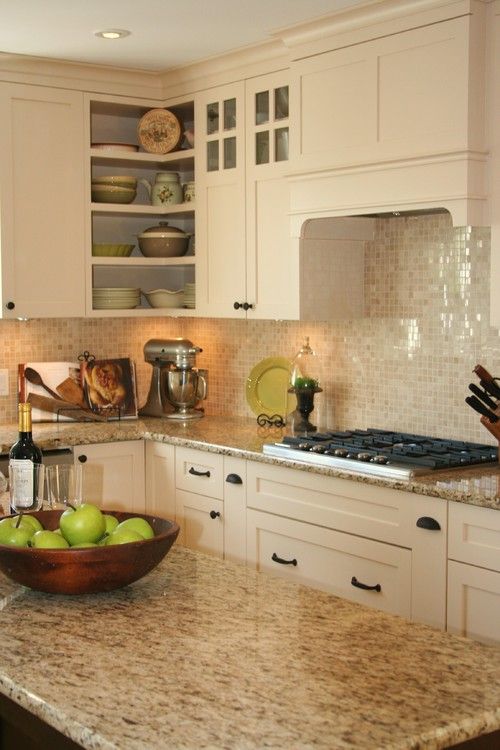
x=405, y=365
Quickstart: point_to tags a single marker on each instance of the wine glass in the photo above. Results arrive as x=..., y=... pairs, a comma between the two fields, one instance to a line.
x=64, y=485
x=26, y=484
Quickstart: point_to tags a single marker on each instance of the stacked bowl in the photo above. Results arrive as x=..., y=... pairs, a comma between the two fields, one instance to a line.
x=115, y=298
x=189, y=295
x=114, y=189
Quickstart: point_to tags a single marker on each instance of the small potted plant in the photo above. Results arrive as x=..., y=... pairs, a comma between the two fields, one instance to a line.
x=304, y=389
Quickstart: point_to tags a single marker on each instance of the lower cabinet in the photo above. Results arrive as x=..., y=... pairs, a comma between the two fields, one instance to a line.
x=210, y=502
x=474, y=572
x=113, y=474
x=381, y=547
x=368, y=572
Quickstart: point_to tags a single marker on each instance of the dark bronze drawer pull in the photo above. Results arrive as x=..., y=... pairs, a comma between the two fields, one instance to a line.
x=281, y=561
x=359, y=585
x=426, y=522
x=196, y=473
x=234, y=479
x=214, y=514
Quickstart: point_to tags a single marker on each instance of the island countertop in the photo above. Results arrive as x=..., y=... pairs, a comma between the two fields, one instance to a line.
x=203, y=653
x=241, y=437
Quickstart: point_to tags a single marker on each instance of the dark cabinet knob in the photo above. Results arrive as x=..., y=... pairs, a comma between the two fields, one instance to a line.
x=234, y=479
x=426, y=522
x=247, y=306
x=196, y=473
x=82, y=458
x=237, y=305
x=10, y=305
x=214, y=514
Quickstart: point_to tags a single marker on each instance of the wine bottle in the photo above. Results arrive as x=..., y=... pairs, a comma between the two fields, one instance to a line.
x=23, y=455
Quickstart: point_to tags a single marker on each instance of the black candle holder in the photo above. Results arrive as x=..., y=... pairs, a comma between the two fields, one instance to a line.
x=305, y=405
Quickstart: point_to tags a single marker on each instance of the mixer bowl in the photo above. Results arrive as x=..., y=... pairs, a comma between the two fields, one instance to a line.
x=184, y=389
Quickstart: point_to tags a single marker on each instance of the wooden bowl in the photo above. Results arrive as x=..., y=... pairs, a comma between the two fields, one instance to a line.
x=87, y=570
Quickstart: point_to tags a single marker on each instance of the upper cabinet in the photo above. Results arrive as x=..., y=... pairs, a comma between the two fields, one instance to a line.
x=162, y=197
x=243, y=201
x=42, y=202
x=392, y=117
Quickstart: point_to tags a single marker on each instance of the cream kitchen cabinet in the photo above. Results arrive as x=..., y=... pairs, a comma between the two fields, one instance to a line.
x=113, y=474
x=383, y=548
x=160, y=479
x=243, y=232
x=115, y=120
x=42, y=201
x=474, y=572
x=210, y=502
x=395, y=96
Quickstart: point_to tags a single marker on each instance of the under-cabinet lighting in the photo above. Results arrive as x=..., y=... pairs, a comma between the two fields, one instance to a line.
x=112, y=33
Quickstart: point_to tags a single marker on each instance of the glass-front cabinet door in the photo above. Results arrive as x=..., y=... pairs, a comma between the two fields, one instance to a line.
x=272, y=269
x=220, y=201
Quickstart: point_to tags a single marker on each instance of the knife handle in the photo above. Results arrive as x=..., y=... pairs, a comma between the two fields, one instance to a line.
x=483, y=396
x=492, y=388
x=478, y=406
x=483, y=374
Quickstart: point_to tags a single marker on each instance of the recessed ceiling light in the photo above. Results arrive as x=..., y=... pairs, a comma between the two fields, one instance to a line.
x=112, y=33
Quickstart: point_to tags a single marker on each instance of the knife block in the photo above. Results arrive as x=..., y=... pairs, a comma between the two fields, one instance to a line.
x=493, y=427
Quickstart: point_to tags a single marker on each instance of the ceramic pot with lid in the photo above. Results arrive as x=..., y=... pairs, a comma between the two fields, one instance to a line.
x=163, y=241
x=166, y=189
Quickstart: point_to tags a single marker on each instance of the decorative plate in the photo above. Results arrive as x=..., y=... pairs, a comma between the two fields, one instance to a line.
x=159, y=131
x=267, y=385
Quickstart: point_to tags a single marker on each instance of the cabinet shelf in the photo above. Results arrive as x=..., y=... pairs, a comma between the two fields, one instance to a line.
x=145, y=262
x=177, y=159
x=138, y=209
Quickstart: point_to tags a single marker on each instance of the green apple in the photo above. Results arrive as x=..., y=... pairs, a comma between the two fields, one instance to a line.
x=33, y=521
x=84, y=544
x=15, y=522
x=124, y=536
x=48, y=540
x=16, y=536
x=111, y=523
x=137, y=524
x=85, y=523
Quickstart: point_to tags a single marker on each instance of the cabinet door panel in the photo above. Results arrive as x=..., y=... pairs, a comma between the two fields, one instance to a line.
x=330, y=560
x=113, y=475
x=160, y=479
x=202, y=522
x=474, y=602
x=474, y=535
x=42, y=201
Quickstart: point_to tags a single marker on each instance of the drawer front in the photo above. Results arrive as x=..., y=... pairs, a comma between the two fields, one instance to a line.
x=473, y=602
x=199, y=471
x=474, y=535
x=330, y=560
x=343, y=504
x=202, y=522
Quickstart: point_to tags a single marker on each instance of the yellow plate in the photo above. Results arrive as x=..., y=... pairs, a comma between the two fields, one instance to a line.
x=267, y=385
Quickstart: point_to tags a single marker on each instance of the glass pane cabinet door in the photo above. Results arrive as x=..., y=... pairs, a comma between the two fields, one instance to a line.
x=270, y=121
x=221, y=149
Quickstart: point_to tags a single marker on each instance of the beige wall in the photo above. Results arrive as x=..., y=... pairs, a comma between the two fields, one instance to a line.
x=406, y=365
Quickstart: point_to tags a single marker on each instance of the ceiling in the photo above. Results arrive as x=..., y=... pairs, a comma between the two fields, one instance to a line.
x=164, y=33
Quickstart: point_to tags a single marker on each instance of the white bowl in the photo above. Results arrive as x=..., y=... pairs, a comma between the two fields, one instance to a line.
x=165, y=297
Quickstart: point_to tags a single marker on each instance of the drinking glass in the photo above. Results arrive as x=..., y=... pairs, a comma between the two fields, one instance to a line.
x=26, y=484
x=64, y=485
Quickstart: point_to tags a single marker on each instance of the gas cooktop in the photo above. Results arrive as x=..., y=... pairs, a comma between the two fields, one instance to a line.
x=382, y=452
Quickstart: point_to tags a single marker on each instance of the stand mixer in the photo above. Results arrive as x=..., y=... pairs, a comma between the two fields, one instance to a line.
x=176, y=384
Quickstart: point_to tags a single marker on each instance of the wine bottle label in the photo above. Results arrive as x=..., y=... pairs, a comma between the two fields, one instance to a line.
x=22, y=485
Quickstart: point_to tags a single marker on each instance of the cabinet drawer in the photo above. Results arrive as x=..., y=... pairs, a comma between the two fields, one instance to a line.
x=474, y=535
x=474, y=602
x=330, y=560
x=375, y=512
x=202, y=522
x=199, y=471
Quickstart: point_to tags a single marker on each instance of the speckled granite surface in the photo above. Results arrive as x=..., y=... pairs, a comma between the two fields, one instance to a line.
x=206, y=654
x=242, y=437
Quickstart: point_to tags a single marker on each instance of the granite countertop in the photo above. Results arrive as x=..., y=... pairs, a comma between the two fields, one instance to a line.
x=203, y=653
x=239, y=436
